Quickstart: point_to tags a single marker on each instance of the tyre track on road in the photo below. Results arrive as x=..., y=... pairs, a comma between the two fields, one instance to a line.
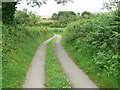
x=36, y=73
x=76, y=76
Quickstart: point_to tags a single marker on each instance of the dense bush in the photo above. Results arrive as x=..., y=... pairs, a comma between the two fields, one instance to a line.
x=95, y=41
x=19, y=45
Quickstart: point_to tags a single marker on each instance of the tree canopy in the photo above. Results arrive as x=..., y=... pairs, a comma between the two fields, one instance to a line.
x=54, y=16
x=62, y=15
x=21, y=17
x=8, y=8
x=86, y=13
x=66, y=13
x=112, y=5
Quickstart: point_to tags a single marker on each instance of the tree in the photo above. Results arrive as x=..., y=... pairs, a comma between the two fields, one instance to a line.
x=8, y=8
x=54, y=16
x=21, y=17
x=86, y=14
x=65, y=14
x=78, y=13
x=63, y=1
x=64, y=17
x=111, y=5
x=33, y=19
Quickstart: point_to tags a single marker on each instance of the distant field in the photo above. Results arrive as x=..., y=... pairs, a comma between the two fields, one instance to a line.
x=47, y=21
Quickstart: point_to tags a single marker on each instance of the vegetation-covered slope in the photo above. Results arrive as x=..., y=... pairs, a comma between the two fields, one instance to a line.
x=93, y=44
x=19, y=45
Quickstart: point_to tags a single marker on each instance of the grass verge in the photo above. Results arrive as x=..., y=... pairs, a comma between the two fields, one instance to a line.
x=55, y=77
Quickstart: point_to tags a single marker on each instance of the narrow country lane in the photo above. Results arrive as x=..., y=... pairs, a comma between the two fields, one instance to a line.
x=76, y=76
x=36, y=73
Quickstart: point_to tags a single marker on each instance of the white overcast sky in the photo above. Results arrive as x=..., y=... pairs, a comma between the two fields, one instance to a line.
x=77, y=6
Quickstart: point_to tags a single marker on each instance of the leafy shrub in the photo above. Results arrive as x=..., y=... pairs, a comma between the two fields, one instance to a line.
x=97, y=38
